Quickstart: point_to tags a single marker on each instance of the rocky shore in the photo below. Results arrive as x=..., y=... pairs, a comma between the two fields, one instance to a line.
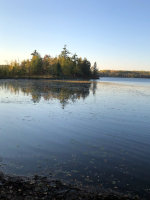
x=42, y=188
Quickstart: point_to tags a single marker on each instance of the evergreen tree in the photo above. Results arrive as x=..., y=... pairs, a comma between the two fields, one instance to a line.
x=65, y=53
x=95, y=71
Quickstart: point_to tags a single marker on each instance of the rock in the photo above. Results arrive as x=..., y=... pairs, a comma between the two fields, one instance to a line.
x=42, y=188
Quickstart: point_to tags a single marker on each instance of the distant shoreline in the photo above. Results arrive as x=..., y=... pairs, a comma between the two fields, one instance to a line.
x=124, y=74
x=123, y=77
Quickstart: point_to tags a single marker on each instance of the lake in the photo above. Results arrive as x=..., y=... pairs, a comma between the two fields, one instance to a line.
x=95, y=133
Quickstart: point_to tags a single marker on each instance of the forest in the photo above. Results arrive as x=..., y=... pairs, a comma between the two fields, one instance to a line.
x=65, y=65
x=125, y=74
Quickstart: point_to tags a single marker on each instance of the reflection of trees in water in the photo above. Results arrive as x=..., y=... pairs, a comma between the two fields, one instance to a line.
x=94, y=87
x=49, y=90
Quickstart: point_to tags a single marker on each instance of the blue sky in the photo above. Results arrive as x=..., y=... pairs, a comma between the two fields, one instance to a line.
x=115, y=33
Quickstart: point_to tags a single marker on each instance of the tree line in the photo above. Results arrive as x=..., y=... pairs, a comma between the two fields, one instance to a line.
x=65, y=65
x=125, y=74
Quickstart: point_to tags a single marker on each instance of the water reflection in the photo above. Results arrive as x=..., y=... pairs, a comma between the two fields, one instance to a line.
x=65, y=92
x=102, y=141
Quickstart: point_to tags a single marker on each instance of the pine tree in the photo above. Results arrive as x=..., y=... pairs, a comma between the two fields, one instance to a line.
x=95, y=71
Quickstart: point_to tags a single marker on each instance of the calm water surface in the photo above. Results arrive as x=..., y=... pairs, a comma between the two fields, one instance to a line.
x=94, y=133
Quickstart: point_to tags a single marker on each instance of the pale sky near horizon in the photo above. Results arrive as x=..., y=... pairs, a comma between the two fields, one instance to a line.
x=114, y=33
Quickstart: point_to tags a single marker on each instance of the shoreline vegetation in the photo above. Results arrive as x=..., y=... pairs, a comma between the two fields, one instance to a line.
x=64, y=66
x=37, y=187
x=124, y=74
x=52, y=79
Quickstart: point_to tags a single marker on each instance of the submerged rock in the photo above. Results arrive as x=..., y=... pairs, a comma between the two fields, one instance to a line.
x=42, y=188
